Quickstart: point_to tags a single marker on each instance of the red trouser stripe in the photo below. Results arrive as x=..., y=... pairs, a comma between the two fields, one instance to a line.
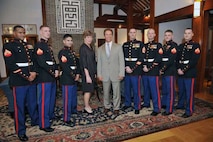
x=171, y=93
x=42, y=105
x=139, y=92
x=66, y=103
x=191, y=96
x=15, y=108
x=158, y=91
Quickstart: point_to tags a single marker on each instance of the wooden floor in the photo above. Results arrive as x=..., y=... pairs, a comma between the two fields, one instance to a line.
x=201, y=131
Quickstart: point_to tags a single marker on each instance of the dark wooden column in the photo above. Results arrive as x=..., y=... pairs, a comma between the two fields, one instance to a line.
x=211, y=58
x=100, y=9
x=129, y=17
x=116, y=35
x=142, y=37
x=152, y=14
x=44, y=19
x=152, y=22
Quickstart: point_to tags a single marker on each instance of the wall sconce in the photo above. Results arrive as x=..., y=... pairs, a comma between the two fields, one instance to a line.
x=197, y=5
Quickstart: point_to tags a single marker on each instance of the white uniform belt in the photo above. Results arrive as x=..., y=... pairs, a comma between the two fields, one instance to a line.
x=131, y=59
x=165, y=59
x=184, y=62
x=73, y=67
x=148, y=60
x=49, y=62
x=24, y=64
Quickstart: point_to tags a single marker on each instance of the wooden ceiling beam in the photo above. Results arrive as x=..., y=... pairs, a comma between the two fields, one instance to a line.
x=129, y=17
x=107, y=16
x=119, y=25
x=135, y=10
x=110, y=2
x=142, y=4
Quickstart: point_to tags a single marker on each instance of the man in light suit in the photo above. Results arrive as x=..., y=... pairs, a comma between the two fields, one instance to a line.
x=110, y=68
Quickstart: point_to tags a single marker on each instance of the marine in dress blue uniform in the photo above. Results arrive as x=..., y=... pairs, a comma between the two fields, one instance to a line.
x=46, y=88
x=188, y=56
x=133, y=57
x=69, y=64
x=168, y=72
x=153, y=55
x=19, y=60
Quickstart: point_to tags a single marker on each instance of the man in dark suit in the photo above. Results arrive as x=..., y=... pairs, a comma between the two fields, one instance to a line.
x=110, y=70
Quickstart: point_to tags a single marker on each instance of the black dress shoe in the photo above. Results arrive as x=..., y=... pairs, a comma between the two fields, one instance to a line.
x=185, y=115
x=154, y=113
x=68, y=122
x=137, y=111
x=166, y=113
x=85, y=111
x=116, y=112
x=48, y=129
x=178, y=107
x=11, y=114
x=143, y=106
x=34, y=124
x=106, y=110
x=125, y=107
x=23, y=138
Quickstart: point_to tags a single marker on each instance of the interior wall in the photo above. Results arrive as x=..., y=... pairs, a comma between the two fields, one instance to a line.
x=122, y=35
x=18, y=12
x=166, y=6
x=145, y=36
x=177, y=27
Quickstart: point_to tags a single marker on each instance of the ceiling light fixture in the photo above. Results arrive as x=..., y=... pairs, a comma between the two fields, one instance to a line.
x=115, y=20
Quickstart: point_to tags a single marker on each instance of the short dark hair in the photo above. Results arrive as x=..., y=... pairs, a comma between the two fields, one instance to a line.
x=188, y=29
x=168, y=31
x=17, y=26
x=87, y=33
x=108, y=29
x=66, y=36
x=42, y=26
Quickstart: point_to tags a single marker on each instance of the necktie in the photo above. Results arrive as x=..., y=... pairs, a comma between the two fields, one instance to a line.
x=107, y=49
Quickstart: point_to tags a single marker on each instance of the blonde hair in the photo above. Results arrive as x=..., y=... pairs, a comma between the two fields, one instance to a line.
x=87, y=33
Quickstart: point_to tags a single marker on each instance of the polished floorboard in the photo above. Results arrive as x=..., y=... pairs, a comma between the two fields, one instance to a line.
x=201, y=131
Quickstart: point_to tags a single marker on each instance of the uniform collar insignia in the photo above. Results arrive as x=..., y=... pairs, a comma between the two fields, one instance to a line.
x=190, y=41
x=18, y=40
x=151, y=42
x=43, y=40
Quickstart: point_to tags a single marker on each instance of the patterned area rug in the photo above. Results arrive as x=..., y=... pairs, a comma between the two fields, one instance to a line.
x=100, y=126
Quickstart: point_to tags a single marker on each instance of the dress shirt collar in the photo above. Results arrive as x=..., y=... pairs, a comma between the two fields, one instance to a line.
x=110, y=44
